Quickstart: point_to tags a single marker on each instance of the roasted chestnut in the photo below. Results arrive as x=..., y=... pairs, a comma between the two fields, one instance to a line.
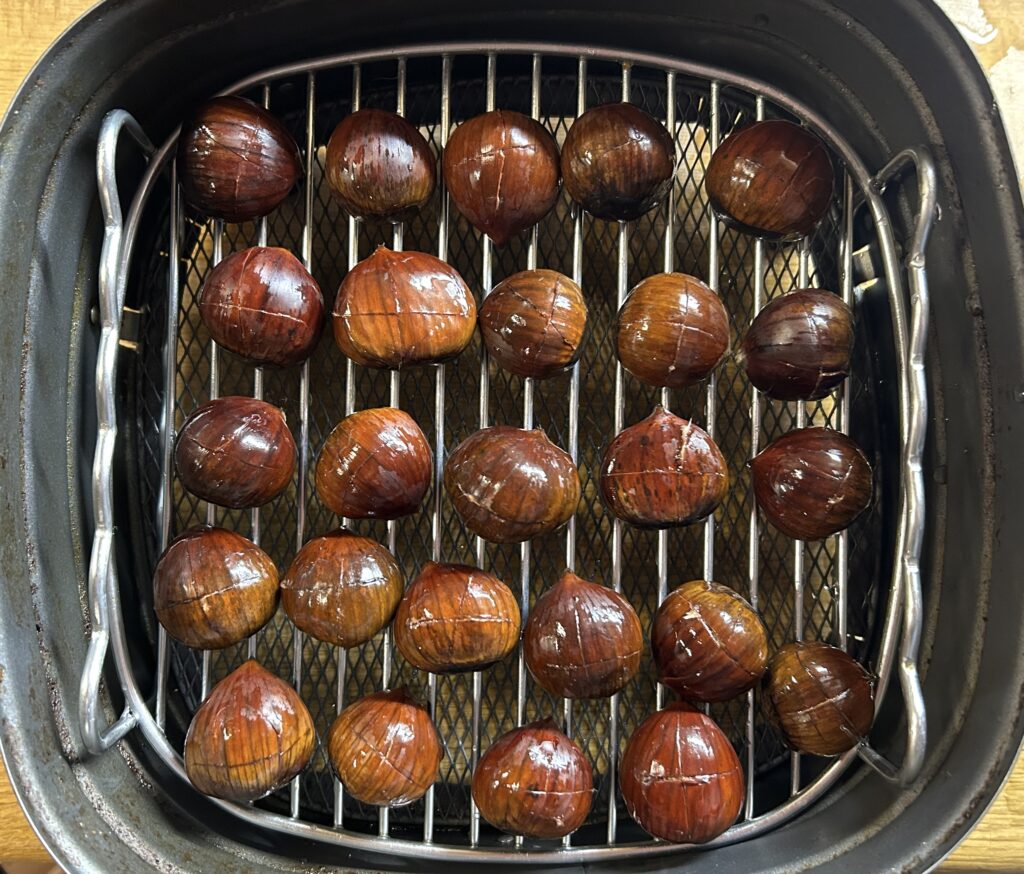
x=509, y=484
x=680, y=777
x=618, y=162
x=811, y=482
x=663, y=471
x=385, y=749
x=534, y=781
x=249, y=737
x=582, y=640
x=672, y=330
x=400, y=308
x=379, y=165
x=236, y=161
x=342, y=588
x=708, y=642
x=501, y=169
x=213, y=588
x=772, y=179
x=821, y=700
x=456, y=618
x=236, y=452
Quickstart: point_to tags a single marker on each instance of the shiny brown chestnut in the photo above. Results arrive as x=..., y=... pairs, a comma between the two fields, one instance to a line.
x=252, y=735
x=708, y=642
x=396, y=309
x=672, y=330
x=385, y=749
x=812, y=482
x=236, y=161
x=501, y=169
x=213, y=588
x=772, y=179
x=534, y=781
x=379, y=165
x=582, y=640
x=680, y=777
x=663, y=471
x=510, y=484
x=235, y=452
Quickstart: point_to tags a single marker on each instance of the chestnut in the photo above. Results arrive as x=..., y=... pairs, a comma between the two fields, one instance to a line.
x=510, y=484
x=252, y=735
x=708, y=642
x=385, y=749
x=379, y=165
x=582, y=640
x=680, y=777
x=400, y=308
x=811, y=482
x=236, y=161
x=663, y=471
x=618, y=162
x=236, y=452
x=456, y=618
x=213, y=588
x=672, y=330
x=262, y=304
x=534, y=781
x=342, y=588
x=772, y=179
x=820, y=699
x=501, y=169
x=532, y=323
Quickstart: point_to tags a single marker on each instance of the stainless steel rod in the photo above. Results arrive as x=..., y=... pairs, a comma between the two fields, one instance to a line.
x=846, y=289
x=711, y=399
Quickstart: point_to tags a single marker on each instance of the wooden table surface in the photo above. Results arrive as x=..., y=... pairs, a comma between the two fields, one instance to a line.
x=995, y=27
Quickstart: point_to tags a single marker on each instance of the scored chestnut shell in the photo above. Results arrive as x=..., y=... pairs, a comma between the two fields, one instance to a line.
x=534, y=781
x=236, y=161
x=502, y=173
x=663, y=471
x=252, y=735
x=396, y=309
x=235, y=452
x=213, y=588
x=510, y=484
x=582, y=640
x=708, y=642
x=812, y=482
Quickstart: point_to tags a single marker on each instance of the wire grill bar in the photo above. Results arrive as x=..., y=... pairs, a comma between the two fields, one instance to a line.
x=846, y=290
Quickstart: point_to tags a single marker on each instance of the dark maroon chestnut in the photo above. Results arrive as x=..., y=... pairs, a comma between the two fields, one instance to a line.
x=236, y=161
x=772, y=179
x=236, y=452
x=811, y=482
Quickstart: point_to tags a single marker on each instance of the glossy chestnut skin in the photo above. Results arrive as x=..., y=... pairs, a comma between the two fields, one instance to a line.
x=262, y=304
x=213, y=588
x=342, y=588
x=618, y=162
x=820, y=699
x=249, y=737
x=534, y=781
x=379, y=165
x=236, y=452
x=708, y=642
x=680, y=777
x=236, y=161
x=501, y=169
x=772, y=179
x=510, y=484
x=672, y=330
x=396, y=309
x=663, y=471
x=812, y=482
x=454, y=617
x=385, y=749
x=582, y=640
